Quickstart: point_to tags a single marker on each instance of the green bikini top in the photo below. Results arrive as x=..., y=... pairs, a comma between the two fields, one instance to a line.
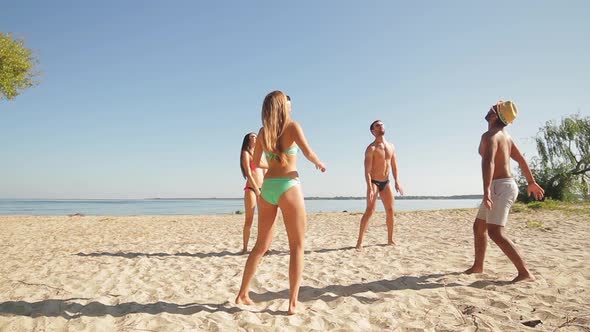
x=292, y=150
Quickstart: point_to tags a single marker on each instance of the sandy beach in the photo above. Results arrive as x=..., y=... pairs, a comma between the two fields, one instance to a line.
x=182, y=273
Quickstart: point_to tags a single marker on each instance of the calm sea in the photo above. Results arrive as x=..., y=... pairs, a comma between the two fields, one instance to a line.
x=201, y=206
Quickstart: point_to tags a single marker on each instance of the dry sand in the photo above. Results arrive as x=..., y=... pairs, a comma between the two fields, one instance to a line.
x=181, y=273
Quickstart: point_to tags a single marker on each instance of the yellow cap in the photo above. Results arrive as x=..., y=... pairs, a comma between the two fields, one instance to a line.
x=507, y=111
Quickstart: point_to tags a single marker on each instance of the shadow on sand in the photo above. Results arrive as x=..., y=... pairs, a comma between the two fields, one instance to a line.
x=333, y=292
x=123, y=254
x=72, y=308
x=224, y=253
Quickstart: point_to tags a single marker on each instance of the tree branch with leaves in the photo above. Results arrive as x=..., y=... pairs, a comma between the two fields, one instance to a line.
x=563, y=165
x=17, y=67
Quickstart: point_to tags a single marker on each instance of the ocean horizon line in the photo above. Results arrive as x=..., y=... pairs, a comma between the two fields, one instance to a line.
x=311, y=198
x=407, y=197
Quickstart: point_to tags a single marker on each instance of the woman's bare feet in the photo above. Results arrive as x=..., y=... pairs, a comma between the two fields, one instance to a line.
x=524, y=277
x=244, y=299
x=473, y=269
x=292, y=309
x=359, y=246
x=391, y=243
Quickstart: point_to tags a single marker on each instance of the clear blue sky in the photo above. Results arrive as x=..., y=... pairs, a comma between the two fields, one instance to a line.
x=152, y=99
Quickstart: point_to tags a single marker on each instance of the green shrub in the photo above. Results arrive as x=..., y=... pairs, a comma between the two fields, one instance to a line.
x=535, y=205
x=518, y=207
x=534, y=224
x=547, y=204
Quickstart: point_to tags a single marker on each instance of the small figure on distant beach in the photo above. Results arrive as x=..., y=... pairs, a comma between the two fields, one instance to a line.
x=379, y=158
x=280, y=138
x=253, y=176
x=499, y=189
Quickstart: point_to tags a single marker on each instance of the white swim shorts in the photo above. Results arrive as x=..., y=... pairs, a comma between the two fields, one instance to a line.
x=504, y=193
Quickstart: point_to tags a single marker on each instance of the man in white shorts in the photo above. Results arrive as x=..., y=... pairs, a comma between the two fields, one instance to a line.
x=500, y=190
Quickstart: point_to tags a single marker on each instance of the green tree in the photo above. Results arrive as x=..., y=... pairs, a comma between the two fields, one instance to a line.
x=563, y=165
x=17, y=67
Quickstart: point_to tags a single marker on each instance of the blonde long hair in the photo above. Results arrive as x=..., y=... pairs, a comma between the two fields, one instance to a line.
x=275, y=117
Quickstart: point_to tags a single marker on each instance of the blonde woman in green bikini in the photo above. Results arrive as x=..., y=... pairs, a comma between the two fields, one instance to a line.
x=280, y=138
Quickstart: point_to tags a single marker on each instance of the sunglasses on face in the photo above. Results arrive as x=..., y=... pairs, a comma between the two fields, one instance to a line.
x=490, y=112
x=288, y=98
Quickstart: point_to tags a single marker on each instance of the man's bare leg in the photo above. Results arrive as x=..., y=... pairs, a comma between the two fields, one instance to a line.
x=364, y=225
x=497, y=235
x=480, y=242
x=365, y=221
x=388, y=200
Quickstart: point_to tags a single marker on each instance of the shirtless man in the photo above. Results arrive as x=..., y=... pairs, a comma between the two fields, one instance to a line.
x=379, y=156
x=499, y=188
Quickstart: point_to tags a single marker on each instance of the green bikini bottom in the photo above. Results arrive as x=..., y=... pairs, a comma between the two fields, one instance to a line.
x=274, y=188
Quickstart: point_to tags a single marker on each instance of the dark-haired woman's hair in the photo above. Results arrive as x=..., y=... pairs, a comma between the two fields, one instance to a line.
x=245, y=146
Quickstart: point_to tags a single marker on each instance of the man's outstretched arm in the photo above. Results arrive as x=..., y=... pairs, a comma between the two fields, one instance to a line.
x=533, y=187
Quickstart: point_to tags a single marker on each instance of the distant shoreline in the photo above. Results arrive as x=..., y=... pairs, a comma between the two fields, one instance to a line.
x=311, y=198
x=334, y=198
